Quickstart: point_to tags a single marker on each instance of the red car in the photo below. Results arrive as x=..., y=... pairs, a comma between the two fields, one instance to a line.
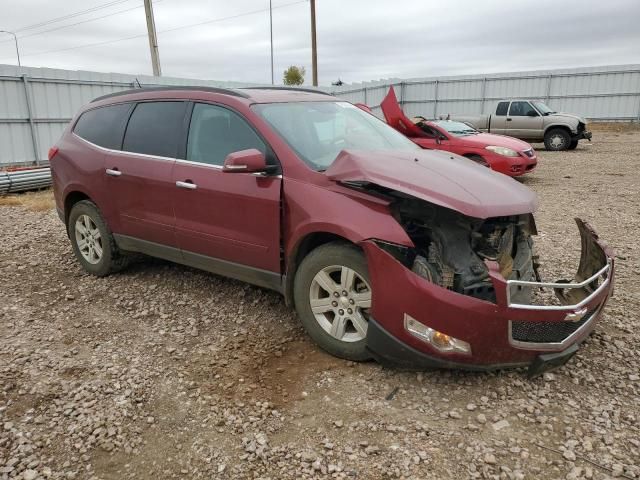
x=503, y=154
x=385, y=250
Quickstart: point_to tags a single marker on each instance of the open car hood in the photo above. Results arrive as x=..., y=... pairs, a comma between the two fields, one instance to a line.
x=396, y=118
x=437, y=177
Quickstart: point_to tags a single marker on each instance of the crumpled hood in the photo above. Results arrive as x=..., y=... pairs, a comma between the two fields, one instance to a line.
x=441, y=178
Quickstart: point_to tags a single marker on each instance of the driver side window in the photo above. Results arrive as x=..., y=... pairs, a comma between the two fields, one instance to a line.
x=215, y=132
x=521, y=109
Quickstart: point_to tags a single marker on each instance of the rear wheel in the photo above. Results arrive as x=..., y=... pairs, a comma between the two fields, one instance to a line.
x=332, y=295
x=573, y=144
x=92, y=241
x=557, y=139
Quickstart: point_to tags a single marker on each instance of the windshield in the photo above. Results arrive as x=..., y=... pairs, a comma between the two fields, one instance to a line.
x=542, y=108
x=319, y=131
x=458, y=129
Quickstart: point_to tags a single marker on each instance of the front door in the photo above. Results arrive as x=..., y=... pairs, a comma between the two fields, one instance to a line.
x=523, y=121
x=139, y=178
x=228, y=223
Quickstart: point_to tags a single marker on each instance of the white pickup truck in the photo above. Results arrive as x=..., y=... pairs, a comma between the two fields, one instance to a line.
x=533, y=121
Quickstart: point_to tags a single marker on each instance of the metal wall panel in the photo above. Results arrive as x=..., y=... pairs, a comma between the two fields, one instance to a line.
x=54, y=97
x=597, y=93
x=607, y=93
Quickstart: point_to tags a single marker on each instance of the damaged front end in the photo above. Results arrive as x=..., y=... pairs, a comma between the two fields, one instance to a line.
x=452, y=250
x=491, y=262
x=463, y=290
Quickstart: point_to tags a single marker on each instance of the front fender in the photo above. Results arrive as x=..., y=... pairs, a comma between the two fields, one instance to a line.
x=573, y=127
x=318, y=209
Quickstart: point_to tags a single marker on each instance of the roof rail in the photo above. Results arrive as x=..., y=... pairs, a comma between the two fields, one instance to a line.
x=224, y=91
x=295, y=89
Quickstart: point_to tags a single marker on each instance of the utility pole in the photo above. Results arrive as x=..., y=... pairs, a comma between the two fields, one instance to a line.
x=271, y=33
x=15, y=39
x=314, y=49
x=153, y=39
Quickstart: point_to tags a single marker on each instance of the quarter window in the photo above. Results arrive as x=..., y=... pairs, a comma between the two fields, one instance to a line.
x=155, y=128
x=521, y=109
x=215, y=132
x=502, y=108
x=104, y=126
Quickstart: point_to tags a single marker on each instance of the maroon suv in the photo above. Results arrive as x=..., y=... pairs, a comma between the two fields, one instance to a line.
x=415, y=257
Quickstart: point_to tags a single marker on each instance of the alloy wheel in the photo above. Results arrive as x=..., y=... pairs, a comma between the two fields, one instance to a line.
x=88, y=239
x=340, y=301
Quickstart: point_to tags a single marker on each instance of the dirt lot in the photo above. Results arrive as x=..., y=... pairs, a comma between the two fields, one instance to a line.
x=166, y=372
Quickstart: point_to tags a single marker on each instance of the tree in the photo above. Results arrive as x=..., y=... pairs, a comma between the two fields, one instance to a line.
x=294, y=75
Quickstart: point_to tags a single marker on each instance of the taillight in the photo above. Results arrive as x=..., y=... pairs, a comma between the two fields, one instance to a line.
x=52, y=152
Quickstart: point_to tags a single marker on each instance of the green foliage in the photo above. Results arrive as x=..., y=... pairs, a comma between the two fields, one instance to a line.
x=294, y=75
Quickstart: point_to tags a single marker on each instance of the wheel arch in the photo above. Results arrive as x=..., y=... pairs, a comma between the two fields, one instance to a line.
x=301, y=249
x=562, y=126
x=71, y=198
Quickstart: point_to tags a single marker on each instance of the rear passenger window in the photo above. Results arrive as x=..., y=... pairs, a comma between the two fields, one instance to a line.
x=104, y=126
x=502, y=108
x=155, y=128
x=215, y=132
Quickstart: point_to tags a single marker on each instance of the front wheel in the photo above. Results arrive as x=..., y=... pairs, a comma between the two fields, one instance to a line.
x=332, y=296
x=573, y=144
x=557, y=139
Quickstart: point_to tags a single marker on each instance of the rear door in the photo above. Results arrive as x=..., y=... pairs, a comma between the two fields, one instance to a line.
x=139, y=177
x=498, y=121
x=523, y=120
x=226, y=222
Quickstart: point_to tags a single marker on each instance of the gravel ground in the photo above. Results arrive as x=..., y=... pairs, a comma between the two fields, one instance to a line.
x=166, y=372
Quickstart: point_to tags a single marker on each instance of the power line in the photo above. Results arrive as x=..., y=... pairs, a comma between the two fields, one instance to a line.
x=71, y=15
x=182, y=27
x=81, y=22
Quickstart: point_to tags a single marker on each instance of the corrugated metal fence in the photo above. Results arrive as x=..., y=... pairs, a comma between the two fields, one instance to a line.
x=609, y=93
x=37, y=103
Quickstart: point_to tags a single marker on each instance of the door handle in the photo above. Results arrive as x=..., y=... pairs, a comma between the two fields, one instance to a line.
x=508, y=119
x=189, y=185
x=113, y=172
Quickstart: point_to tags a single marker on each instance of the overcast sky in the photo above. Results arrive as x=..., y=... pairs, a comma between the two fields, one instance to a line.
x=357, y=39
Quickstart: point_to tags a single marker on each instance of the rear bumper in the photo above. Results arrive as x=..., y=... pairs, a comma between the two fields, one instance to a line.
x=501, y=334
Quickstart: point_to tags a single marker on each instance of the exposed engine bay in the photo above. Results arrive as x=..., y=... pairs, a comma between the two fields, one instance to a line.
x=451, y=248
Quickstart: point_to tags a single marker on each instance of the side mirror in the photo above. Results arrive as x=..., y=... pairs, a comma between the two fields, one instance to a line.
x=245, y=161
x=532, y=113
x=438, y=140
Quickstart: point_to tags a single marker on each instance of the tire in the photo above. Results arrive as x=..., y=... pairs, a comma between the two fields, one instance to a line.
x=479, y=160
x=339, y=267
x=573, y=145
x=98, y=253
x=557, y=139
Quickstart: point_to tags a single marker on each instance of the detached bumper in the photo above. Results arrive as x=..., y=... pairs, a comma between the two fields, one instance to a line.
x=501, y=334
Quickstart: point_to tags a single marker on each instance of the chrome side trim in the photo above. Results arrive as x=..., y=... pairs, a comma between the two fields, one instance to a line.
x=156, y=157
x=585, y=301
x=556, y=345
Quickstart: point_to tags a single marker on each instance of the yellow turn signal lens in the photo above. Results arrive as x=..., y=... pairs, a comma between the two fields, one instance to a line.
x=438, y=340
